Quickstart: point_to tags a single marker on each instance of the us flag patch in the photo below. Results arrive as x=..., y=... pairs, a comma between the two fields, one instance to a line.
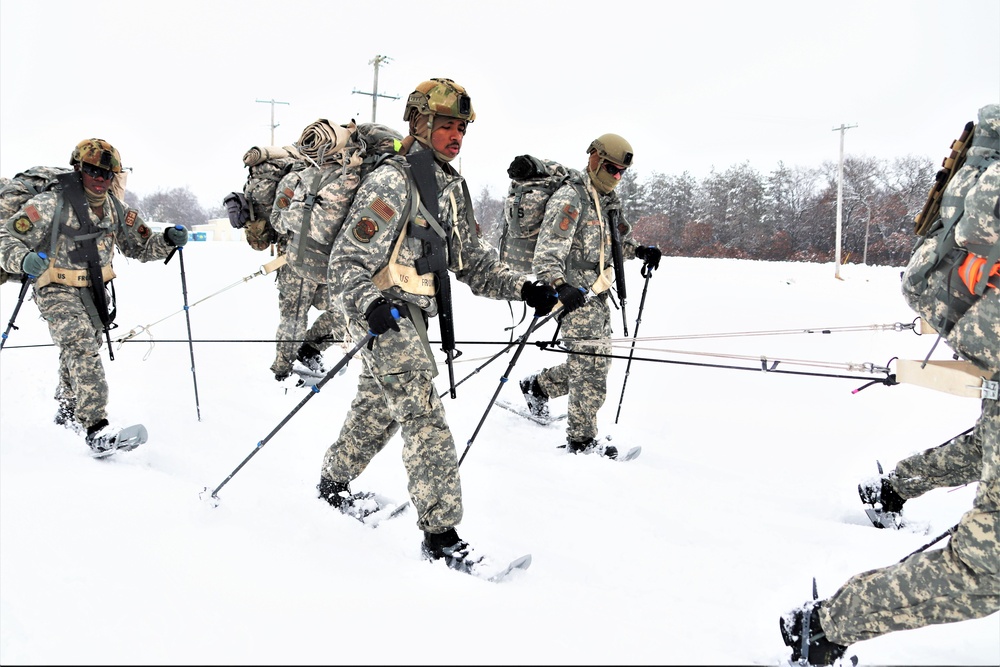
x=130, y=218
x=32, y=213
x=382, y=209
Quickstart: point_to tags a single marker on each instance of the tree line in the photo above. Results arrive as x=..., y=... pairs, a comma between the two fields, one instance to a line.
x=788, y=214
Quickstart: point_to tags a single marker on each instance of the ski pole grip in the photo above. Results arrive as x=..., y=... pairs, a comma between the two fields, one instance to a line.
x=395, y=313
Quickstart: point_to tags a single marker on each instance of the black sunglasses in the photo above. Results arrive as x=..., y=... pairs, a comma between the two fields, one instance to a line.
x=613, y=168
x=97, y=172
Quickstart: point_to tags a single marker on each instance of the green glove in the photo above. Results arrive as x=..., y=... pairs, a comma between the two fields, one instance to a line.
x=34, y=264
x=176, y=236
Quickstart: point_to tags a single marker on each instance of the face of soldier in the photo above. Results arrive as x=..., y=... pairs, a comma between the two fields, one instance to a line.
x=604, y=173
x=95, y=179
x=447, y=136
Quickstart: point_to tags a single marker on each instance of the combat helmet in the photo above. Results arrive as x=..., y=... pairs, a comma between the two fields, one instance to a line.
x=610, y=148
x=440, y=97
x=97, y=152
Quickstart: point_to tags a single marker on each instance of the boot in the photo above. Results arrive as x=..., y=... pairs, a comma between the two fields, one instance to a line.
x=537, y=399
x=311, y=358
x=879, y=491
x=819, y=650
x=335, y=493
x=591, y=446
x=101, y=436
x=447, y=546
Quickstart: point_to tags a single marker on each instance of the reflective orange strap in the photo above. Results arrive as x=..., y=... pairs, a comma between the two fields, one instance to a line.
x=971, y=271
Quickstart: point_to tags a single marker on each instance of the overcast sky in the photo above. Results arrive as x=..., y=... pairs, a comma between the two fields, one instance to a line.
x=693, y=86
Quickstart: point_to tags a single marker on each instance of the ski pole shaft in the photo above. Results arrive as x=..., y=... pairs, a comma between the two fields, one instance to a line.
x=17, y=307
x=500, y=353
x=503, y=380
x=638, y=321
x=187, y=315
x=314, y=390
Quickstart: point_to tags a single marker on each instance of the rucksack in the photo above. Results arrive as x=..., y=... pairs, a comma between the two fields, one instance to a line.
x=25, y=185
x=533, y=182
x=932, y=283
x=252, y=209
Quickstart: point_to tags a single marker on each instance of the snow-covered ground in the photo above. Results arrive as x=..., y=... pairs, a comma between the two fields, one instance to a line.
x=745, y=489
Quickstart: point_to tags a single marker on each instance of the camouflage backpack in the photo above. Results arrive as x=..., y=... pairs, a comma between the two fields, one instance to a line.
x=25, y=185
x=252, y=209
x=950, y=280
x=533, y=181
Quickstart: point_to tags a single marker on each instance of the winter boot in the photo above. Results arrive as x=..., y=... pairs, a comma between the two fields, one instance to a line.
x=537, y=399
x=101, y=437
x=879, y=491
x=335, y=493
x=591, y=446
x=817, y=649
x=311, y=358
x=455, y=552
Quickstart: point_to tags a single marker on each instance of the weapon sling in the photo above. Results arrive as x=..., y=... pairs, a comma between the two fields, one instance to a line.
x=85, y=249
x=435, y=253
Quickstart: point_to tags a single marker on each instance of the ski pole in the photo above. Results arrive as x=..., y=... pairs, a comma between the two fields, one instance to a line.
x=214, y=496
x=503, y=380
x=497, y=355
x=187, y=315
x=25, y=281
x=647, y=273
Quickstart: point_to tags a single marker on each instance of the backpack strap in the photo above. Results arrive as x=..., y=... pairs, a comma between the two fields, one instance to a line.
x=85, y=240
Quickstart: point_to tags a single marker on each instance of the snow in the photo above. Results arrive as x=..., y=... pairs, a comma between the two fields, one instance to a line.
x=746, y=488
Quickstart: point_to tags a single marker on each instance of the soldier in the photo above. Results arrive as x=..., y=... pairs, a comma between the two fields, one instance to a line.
x=574, y=254
x=962, y=580
x=79, y=225
x=390, y=268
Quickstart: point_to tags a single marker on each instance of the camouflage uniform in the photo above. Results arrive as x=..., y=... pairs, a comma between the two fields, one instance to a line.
x=302, y=282
x=73, y=323
x=569, y=250
x=962, y=580
x=395, y=389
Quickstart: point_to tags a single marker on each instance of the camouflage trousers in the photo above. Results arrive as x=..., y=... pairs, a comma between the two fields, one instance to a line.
x=296, y=295
x=585, y=332
x=396, y=393
x=954, y=463
x=81, y=372
x=958, y=582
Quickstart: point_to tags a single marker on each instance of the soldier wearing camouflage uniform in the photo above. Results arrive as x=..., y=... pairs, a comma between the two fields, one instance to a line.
x=373, y=271
x=574, y=255
x=47, y=224
x=962, y=580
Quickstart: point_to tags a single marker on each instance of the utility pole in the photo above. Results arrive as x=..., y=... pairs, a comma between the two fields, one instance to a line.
x=272, y=102
x=840, y=195
x=378, y=60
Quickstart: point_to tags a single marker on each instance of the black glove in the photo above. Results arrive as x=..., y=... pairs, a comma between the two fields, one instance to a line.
x=650, y=255
x=539, y=296
x=176, y=236
x=571, y=297
x=381, y=316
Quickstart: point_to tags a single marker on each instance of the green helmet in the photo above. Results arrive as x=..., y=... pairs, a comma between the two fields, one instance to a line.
x=440, y=97
x=613, y=148
x=97, y=152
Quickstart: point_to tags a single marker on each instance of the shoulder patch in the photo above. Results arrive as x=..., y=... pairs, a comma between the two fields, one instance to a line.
x=571, y=211
x=282, y=201
x=382, y=209
x=130, y=218
x=564, y=223
x=22, y=225
x=143, y=231
x=365, y=230
x=622, y=228
x=32, y=213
